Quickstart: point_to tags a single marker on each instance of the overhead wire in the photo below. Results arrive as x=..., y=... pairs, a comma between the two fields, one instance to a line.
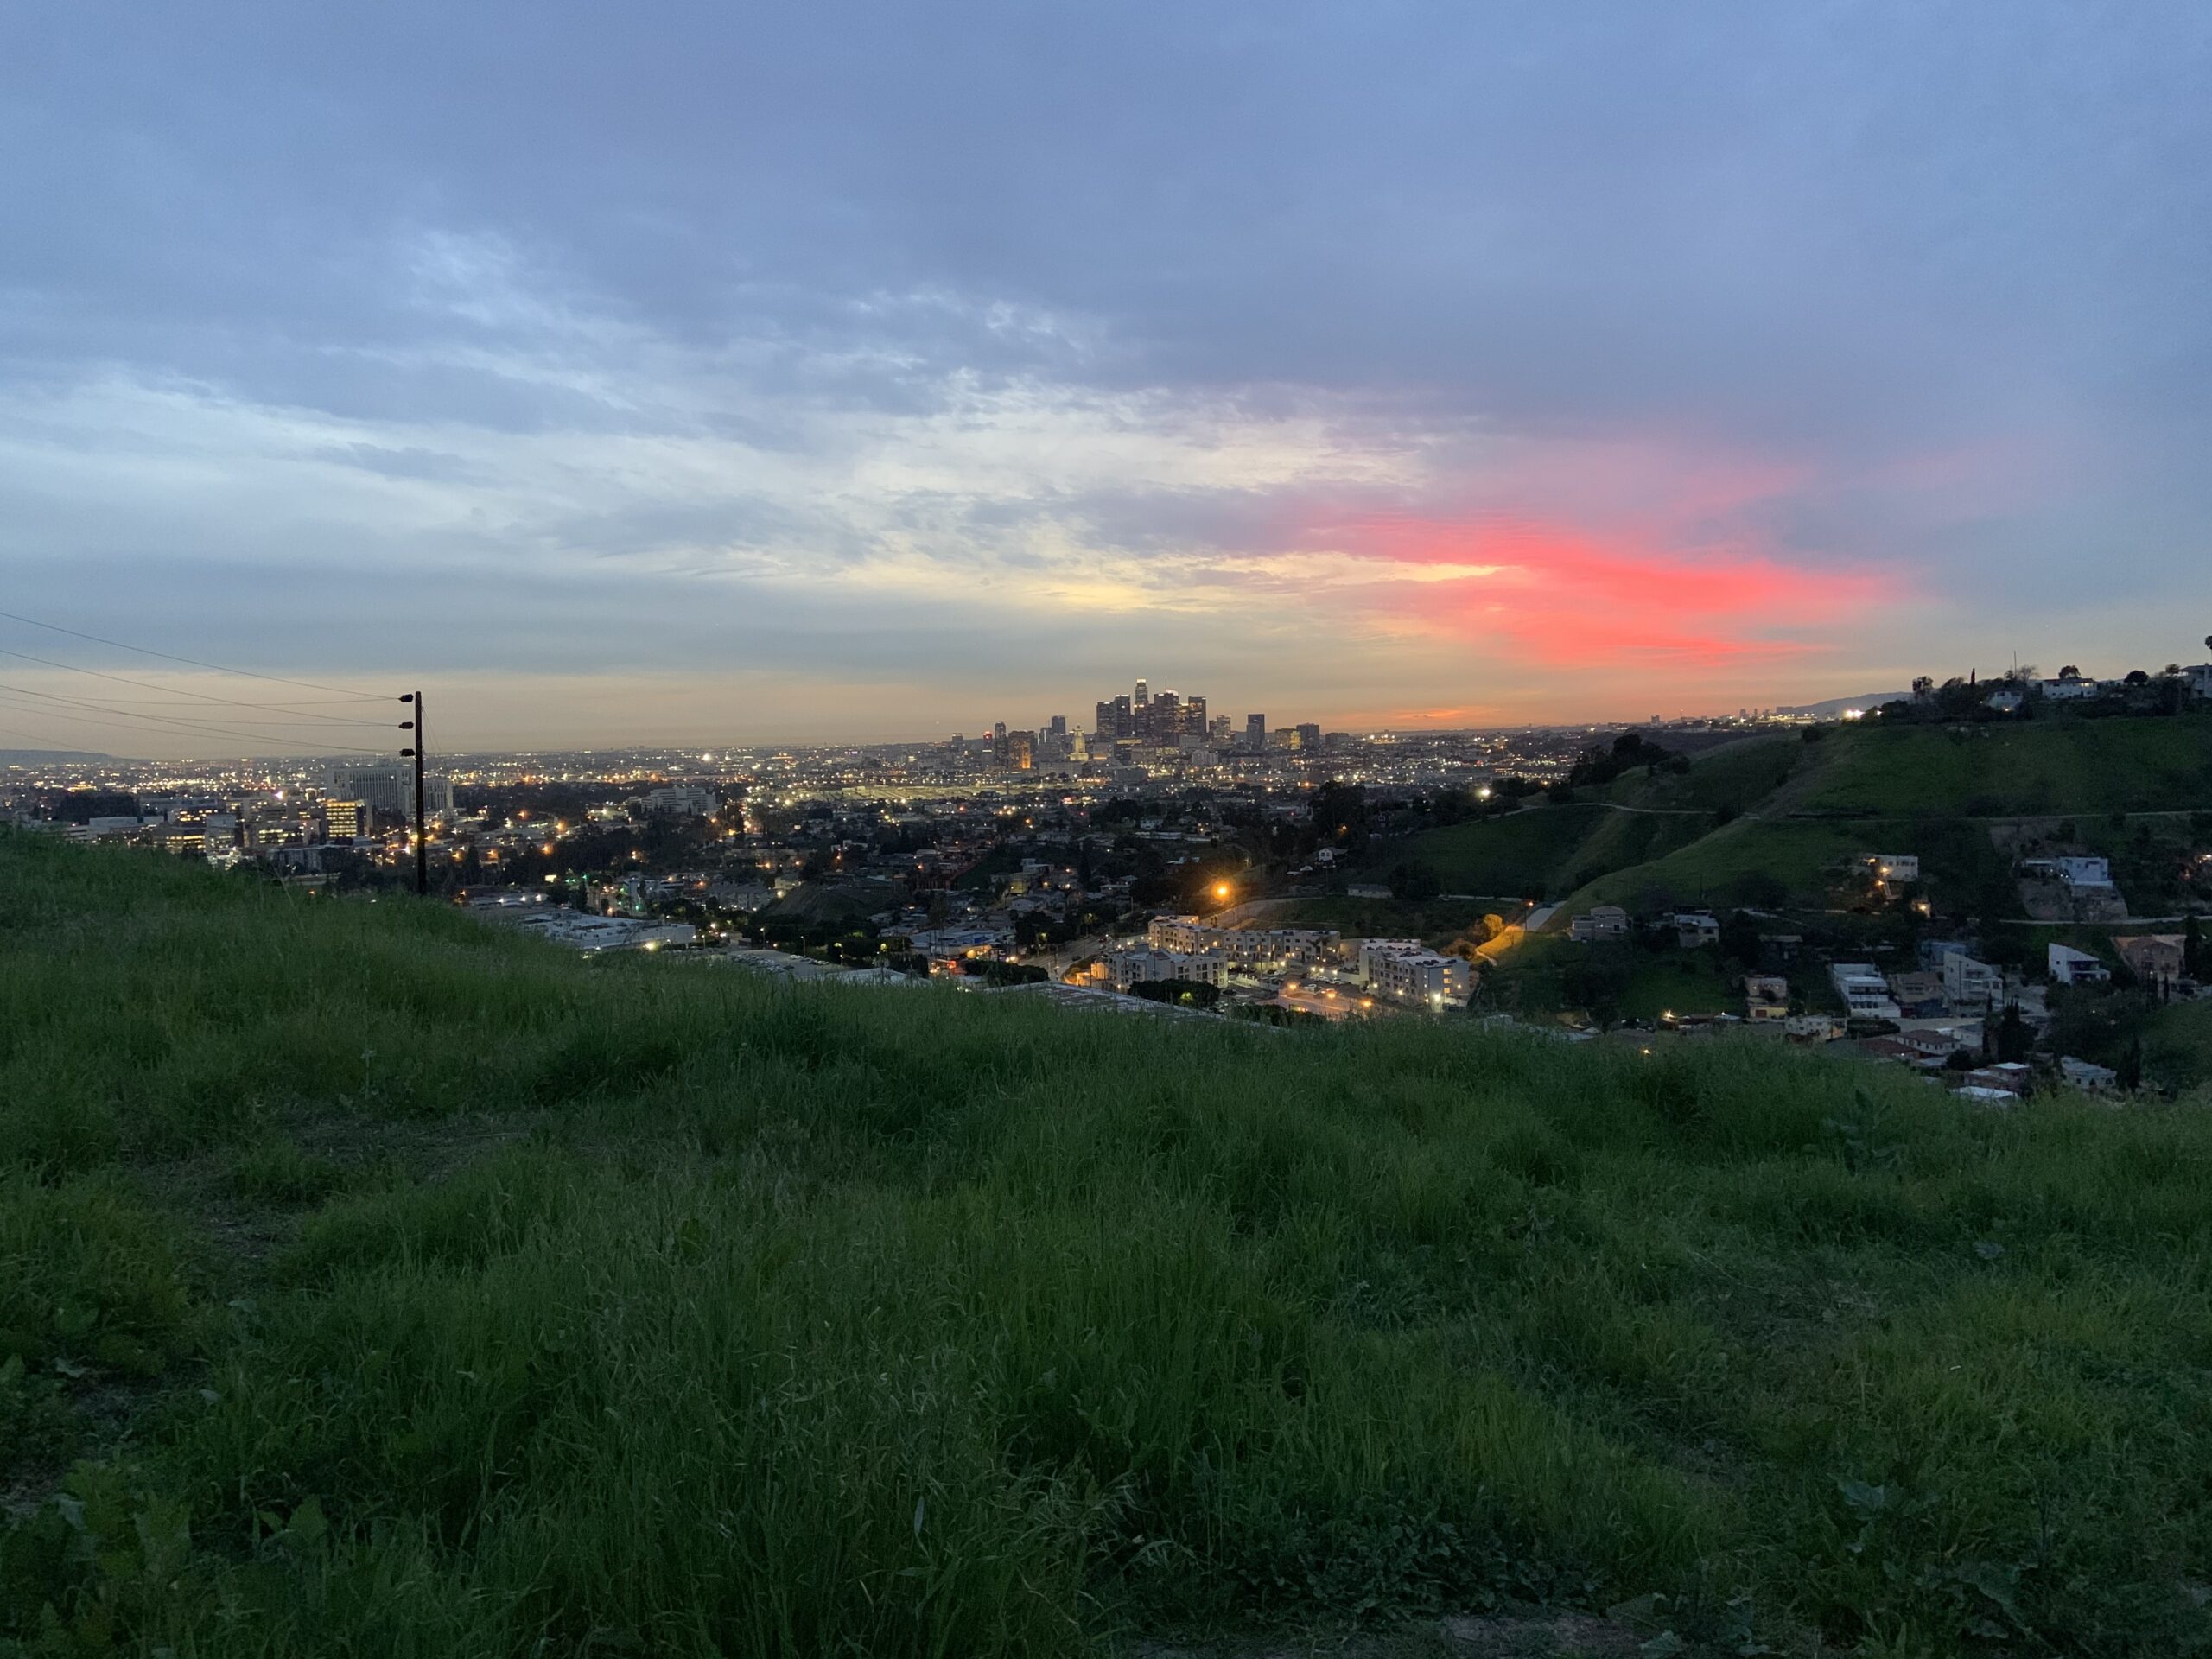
x=194, y=662
x=201, y=696
x=117, y=716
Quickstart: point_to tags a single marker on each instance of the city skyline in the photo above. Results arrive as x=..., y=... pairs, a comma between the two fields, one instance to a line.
x=799, y=379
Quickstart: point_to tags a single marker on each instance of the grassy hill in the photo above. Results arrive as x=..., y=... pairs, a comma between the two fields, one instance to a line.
x=1769, y=820
x=2004, y=770
x=372, y=1281
x=1541, y=851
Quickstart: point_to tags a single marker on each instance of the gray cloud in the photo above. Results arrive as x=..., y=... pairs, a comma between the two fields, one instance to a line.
x=703, y=295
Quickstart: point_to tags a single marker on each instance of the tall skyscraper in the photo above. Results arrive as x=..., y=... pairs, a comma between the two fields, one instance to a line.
x=1309, y=735
x=1255, y=732
x=1144, y=694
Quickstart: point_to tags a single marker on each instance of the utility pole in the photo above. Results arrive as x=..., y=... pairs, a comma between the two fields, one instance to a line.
x=422, y=828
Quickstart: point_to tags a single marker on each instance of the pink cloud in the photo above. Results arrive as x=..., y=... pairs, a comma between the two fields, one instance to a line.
x=1564, y=596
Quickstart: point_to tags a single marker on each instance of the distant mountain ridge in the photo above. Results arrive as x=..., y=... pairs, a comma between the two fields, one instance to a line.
x=33, y=757
x=1836, y=706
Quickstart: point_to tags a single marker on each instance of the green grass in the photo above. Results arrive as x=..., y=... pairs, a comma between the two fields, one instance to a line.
x=2007, y=769
x=1732, y=777
x=1438, y=920
x=1539, y=852
x=690, y=1313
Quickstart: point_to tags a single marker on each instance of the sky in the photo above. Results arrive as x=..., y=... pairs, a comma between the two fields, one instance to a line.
x=695, y=373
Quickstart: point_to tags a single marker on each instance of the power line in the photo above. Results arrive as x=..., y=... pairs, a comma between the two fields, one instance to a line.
x=230, y=702
x=117, y=714
x=171, y=656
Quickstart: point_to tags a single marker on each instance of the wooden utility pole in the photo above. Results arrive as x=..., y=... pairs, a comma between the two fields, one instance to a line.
x=422, y=825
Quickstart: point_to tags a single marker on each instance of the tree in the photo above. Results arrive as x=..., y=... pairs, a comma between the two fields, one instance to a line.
x=2070, y=672
x=2192, y=952
x=1416, y=882
x=2129, y=1068
x=1339, y=815
x=2136, y=677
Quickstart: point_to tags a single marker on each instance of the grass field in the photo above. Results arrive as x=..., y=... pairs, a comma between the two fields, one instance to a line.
x=375, y=1283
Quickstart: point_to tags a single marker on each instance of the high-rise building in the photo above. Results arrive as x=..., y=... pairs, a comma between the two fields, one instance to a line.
x=1309, y=735
x=998, y=732
x=1144, y=694
x=390, y=787
x=1060, y=726
x=1218, y=731
x=1255, y=732
x=346, y=820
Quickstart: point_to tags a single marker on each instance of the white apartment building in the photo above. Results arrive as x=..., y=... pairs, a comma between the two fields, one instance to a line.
x=1407, y=971
x=2072, y=967
x=1244, y=946
x=1864, y=992
x=1969, y=984
x=1894, y=867
x=1125, y=969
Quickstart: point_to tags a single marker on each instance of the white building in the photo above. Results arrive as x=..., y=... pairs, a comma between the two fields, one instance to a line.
x=2072, y=967
x=1125, y=969
x=2084, y=873
x=685, y=800
x=1969, y=984
x=1864, y=992
x=1244, y=946
x=390, y=787
x=2086, y=1074
x=1599, y=922
x=1407, y=971
x=2069, y=691
x=1693, y=928
x=1894, y=867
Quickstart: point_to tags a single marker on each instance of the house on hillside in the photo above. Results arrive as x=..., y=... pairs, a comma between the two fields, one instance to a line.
x=1766, y=998
x=1693, y=928
x=1599, y=922
x=2070, y=689
x=1893, y=867
x=2085, y=1074
x=2084, y=874
x=1812, y=1029
x=1866, y=994
x=1919, y=995
x=2160, y=960
x=1970, y=987
x=2070, y=967
x=2006, y=1078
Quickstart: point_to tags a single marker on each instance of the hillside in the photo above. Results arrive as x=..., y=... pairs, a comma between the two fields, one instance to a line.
x=397, y=1286
x=1768, y=821
x=1539, y=852
x=2007, y=769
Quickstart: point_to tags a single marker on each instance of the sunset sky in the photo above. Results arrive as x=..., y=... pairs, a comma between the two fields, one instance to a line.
x=724, y=375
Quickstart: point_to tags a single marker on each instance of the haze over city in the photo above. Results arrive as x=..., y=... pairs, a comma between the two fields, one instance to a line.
x=876, y=372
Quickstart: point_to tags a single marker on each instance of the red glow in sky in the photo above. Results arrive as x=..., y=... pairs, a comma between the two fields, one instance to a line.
x=1566, y=598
